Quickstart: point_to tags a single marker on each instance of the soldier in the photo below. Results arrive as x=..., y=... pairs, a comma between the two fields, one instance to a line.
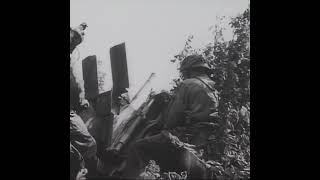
x=81, y=142
x=194, y=102
x=76, y=36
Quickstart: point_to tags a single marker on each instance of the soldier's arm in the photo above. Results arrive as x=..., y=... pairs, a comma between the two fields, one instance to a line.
x=201, y=106
x=83, y=101
x=176, y=108
x=80, y=137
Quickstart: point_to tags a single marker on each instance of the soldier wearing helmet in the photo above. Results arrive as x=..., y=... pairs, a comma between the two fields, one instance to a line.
x=196, y=97
x=194, y=63
x=83, y=147
x=194, y=102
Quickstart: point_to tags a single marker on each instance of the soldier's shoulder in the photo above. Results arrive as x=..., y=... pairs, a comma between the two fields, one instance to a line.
x=191, y=82
x=198, y=83
x=193, y=85
x=209, y=82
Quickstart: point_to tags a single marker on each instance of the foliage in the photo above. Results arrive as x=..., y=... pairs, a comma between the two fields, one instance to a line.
x=230, y=62
x=152, y=171
x=101, y=76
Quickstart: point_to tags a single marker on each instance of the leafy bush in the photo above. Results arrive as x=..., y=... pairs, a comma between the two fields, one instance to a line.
x=230, y=61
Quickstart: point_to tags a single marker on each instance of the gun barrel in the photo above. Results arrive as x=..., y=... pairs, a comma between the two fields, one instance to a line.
x=131, y=116
x=143, y=86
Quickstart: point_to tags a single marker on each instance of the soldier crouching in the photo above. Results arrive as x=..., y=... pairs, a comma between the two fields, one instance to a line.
x=194, y=104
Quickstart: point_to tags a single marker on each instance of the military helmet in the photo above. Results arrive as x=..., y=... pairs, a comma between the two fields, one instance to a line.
x=193, y=61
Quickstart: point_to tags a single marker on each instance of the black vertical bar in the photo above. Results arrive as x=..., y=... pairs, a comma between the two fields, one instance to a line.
x=119, y=69
x=103, y=111
x=90, y=77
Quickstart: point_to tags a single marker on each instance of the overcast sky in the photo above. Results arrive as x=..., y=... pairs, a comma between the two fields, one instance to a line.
x=153, y=30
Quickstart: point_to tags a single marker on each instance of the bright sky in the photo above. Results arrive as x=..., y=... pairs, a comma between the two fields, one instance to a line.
x=154, y=31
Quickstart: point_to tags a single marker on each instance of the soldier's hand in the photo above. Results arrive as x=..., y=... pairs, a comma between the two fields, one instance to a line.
x=84, y=103
x=215, y=115
x=81, y=175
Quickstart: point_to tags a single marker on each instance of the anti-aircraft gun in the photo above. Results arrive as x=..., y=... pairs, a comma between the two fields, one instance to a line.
x=131, y=121
x=134, y=122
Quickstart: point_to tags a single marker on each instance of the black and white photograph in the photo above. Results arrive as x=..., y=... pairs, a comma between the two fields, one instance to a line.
x=159, y=89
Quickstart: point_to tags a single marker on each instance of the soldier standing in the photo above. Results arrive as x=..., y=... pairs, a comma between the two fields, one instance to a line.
x=83, y=146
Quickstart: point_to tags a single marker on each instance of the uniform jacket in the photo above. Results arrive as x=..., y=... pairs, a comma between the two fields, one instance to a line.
x=80, y=138
x=195, y=99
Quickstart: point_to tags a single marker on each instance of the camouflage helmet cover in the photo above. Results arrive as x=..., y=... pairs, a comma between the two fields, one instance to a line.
x=193, y=61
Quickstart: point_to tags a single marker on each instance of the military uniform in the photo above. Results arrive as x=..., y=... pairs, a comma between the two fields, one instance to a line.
x=76, y=162
x=80, y=138
x=83, y=147
x=195, y=100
